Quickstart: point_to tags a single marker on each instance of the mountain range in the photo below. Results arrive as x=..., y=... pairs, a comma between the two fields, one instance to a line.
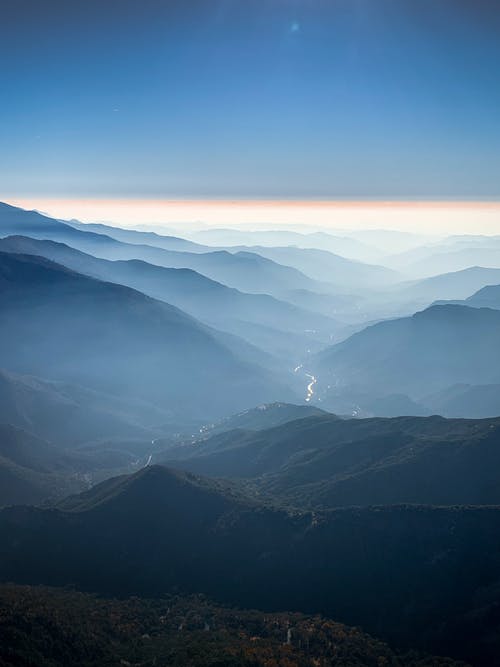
x=323, y=461
x=418, y=355
x=266, y=423
x=243, y=270
x=486, y=297
x=61, y=325
x=159, y=531
x=342, y=245
x=452, y=253
x=215, y=304
x=448, y=286
x=327, y=267
x=139, y=237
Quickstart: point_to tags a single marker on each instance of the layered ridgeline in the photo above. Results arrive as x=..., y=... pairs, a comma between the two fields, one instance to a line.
x=453, y=253
x=274, y=325
x=14, y=220
x=446, y=286
x=139, y=237
x=58, y=438
x=318, y=261
x=160, y=531
x=314, y=279
x=62, y=325
x=339, y=245
x=486, y=297
x=42, y=625
x=416, y=356
x=481, y=400
x=328, y=267
x=284, y=272
x=324, y=461
x=262, y=417
x=458, y=259
x=243, y=270
x=89, y=436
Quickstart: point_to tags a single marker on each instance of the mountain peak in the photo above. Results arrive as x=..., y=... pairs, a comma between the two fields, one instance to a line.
x=154, y=486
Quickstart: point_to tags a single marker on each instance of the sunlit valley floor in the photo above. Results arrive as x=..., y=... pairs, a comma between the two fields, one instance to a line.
x=195, y=427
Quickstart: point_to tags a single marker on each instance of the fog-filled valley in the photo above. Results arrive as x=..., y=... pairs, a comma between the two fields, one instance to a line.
x=303, y=423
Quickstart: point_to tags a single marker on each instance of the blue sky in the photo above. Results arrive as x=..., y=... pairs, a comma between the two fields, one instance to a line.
x=252, y=99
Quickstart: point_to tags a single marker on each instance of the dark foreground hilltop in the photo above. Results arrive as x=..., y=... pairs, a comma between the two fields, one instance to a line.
x=391, y=570
x=44, y=626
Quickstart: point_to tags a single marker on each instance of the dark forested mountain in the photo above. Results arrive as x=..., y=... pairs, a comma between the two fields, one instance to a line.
x=324, y=461
x=61, y=325
x=42, y=625
x=438, y=347
x=263, y=417
x=214, y=303
x=159, y=531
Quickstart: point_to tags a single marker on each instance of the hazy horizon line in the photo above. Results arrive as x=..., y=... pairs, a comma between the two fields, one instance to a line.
x=420, y=216
x=266, y=201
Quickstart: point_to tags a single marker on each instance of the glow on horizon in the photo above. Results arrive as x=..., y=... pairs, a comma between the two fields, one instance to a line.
x=429, y=217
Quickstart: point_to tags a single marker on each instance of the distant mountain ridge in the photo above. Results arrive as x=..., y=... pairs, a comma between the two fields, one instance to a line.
x=139, y=237
x=223, y=307
x=446, y=286
x=323, y=461
x=342, y=245
x=487, y=297
x=14, y=220
x=89, y=327
x=417, y=355
x=327, y=267
x=245, y=271
x=453, y=253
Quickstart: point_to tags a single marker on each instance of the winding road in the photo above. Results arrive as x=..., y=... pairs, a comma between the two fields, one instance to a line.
x=310, y=386
x=312, y=379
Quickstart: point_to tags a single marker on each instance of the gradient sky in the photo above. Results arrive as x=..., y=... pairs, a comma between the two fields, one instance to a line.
x=250, y=98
